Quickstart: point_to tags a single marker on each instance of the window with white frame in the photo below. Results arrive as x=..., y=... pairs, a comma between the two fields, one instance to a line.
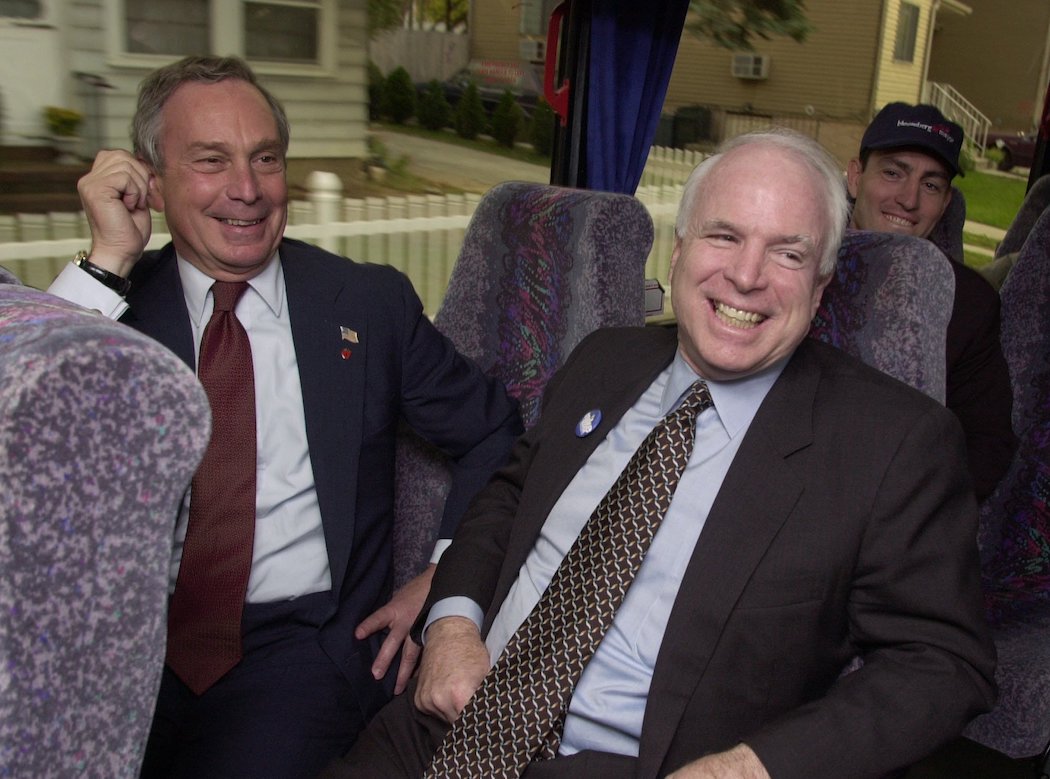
x=277, y=32
x=907, y=32
x=26, y=10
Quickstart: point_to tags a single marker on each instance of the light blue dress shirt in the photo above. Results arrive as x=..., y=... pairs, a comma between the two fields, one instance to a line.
x=608, y=704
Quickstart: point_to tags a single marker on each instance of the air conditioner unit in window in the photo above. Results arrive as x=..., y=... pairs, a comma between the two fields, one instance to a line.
x=532, y=51
x=754, y=66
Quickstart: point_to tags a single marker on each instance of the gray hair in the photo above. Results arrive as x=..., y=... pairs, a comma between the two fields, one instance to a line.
x=160, y=85
x=806, y=151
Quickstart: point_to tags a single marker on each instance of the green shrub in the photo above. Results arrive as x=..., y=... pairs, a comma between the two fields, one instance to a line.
x=507, y=120
x=376, y=88
x=541, y=128
x=434, y=112
x=469, y=117
x=966, y=160
x=399, y=96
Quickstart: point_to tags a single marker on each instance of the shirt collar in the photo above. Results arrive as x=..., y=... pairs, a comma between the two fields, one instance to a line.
x=735, y=401
x=196, y=285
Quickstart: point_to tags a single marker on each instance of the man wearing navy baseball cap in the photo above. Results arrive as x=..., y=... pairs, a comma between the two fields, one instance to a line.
x=902, y=179
x=901, y=182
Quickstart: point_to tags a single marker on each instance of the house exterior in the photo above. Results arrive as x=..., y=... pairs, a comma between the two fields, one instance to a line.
x=999, y=57
x=90, y=55
x=860, y=55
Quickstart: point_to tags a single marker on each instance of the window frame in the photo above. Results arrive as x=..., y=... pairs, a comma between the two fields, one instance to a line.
x=227, y=37
x=907, y=38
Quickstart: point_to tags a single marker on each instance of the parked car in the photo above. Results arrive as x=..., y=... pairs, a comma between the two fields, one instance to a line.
x=493, y=78
x=1018, y=149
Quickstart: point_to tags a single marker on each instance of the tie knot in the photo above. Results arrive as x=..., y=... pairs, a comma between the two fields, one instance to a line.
x=227, y=293
x=697, y=399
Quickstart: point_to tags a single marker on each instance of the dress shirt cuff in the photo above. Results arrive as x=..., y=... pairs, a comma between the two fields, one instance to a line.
x=456, y=606
x=439, y=549
x=78, y=287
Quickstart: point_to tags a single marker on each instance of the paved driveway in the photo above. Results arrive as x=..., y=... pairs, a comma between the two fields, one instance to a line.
x=467, y=169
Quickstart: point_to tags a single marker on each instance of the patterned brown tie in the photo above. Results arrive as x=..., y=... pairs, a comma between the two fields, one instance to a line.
x=517, y=714
x=204, y=620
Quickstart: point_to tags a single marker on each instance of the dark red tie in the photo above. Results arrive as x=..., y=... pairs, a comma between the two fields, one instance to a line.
x=204, y=621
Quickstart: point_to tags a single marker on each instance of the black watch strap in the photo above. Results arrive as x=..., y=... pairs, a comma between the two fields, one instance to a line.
x=118, y=284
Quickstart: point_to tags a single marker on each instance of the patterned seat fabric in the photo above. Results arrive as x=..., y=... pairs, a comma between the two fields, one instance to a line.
x=1015, y=519
x=1035, y=202
x=101, y=429
x=540, y=268
x=889, y=304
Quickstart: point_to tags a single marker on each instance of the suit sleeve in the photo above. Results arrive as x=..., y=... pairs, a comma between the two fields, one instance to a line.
x=914, y=615
x=449, y=401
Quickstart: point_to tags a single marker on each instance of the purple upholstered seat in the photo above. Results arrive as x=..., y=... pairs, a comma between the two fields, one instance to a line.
x=1015, y=519
x=101, y=429
x=889, y=304
x=540, y=268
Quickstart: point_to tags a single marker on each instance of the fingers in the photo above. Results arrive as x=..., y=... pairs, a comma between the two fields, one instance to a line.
x=409, y=658
x=115, y=195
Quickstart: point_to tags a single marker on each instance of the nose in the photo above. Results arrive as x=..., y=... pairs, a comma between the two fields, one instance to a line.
x=243, y=183
x=746, y=271
x=908, y=194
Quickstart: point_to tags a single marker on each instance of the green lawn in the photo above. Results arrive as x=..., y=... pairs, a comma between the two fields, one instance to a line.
x=991, y=199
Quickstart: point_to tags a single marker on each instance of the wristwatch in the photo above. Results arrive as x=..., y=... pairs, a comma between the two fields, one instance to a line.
x=118, y=284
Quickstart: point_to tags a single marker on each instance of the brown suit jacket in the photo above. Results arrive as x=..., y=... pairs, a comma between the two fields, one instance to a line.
x=845, y=526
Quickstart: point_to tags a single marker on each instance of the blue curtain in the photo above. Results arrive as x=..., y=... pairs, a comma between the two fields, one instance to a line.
x=633, y=47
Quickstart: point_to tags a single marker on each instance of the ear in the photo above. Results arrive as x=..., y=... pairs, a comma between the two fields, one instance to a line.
x=675, y=254
x=853, y=171
x=155, y=193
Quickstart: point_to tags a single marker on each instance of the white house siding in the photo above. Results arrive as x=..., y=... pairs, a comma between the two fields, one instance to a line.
x=328, y=112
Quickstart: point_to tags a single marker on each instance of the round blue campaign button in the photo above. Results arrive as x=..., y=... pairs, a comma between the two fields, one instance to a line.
x=589, y=423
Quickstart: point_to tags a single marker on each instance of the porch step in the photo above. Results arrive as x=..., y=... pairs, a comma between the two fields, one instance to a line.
x=31, y=182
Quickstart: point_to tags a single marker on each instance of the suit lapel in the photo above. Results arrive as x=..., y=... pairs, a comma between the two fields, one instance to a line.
x=157, y=306
x=599, y=384
x=742, y=524
x=333, y=389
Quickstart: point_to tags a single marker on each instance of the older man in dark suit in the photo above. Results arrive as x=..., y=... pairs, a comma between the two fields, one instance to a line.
x=282, y=627
x=819, y=511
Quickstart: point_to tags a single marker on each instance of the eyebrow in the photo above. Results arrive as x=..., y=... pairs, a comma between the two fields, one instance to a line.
x=722, y=225
x=899, y=163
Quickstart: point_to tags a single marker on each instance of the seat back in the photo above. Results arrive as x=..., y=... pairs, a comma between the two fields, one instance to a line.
x=540, y=268
x=101, y=429
x=889, y=304
x=1015, y=519
x=1035, y=203
x=947, y=234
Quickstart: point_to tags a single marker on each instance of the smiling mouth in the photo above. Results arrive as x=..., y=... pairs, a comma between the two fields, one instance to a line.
x=734, y=317
x=900, y=221
x=241, y=222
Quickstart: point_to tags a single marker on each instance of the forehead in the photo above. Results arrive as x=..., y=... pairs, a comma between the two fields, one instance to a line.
x=762, y=186
x=202, y=109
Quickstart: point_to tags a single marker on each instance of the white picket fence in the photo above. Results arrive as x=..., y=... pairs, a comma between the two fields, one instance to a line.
x=420, y=235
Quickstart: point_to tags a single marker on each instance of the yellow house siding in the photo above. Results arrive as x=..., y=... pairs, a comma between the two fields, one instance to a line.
x=494, y=30
x=831, y=72
x=898, y=80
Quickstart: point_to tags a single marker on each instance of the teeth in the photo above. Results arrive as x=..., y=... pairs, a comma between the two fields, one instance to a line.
x=241, y=222
x=736, y=317
x=897, y=220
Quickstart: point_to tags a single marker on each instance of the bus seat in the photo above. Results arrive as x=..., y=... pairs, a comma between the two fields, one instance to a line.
x=101, y=429
x=540, y=268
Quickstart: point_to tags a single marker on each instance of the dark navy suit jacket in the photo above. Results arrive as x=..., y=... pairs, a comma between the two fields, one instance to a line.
x=401, y=367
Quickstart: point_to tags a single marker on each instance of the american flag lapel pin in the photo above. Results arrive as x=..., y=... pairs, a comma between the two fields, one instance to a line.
x=349, y=336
